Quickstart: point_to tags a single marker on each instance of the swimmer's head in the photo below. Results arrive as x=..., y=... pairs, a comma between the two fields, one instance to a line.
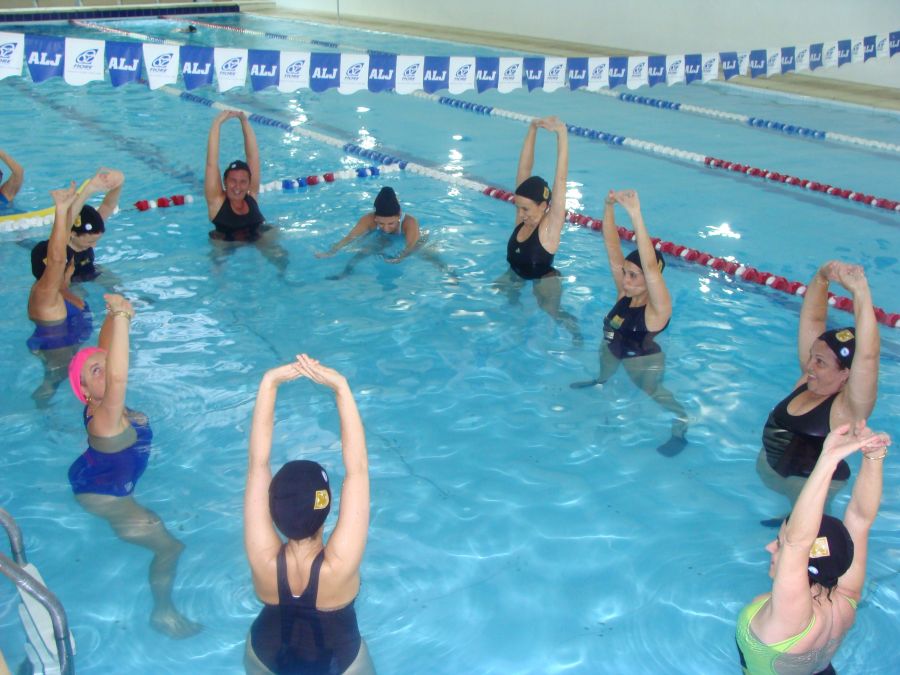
x=386, y=203
x=535, y=189
x=842, y=342
x=237, y=165
x=192, y=28
x=831, y=554
x=39, y=258
x=76, y=371
x=635, y=258
x=89, y=221
x=299, y=498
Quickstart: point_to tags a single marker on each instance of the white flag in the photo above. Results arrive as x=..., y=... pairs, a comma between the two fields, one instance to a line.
x=84, y=61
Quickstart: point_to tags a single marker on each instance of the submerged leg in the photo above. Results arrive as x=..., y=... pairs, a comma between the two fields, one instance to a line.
x=548, y=292
x=273, y=251
x=647, y=372
x=788, y=486
x=609, y=364
x=56, y=369
x=140, y=526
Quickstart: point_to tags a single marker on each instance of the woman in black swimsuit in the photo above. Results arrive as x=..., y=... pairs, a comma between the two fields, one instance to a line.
x=539, y=222
x=308, y=624
x=642, y=311
x=838, y=384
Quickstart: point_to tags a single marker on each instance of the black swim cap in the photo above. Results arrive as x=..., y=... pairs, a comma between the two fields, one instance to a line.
x=831, y=554
x=39, y=258
x=386, y=203
x=89, y=221
x=299, y=498
x=635, y=257
x=237, y=165
x=535, y=189
x=841, y=341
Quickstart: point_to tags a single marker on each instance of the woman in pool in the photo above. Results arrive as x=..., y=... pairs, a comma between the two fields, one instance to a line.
x=818, y=566
x=62, y=319
x=231, y=200
x=10, y=188
x=308, y=624
x=539, y=222
x=642, y=311
x=103, y=478
x=838, y=383
x=387, y=218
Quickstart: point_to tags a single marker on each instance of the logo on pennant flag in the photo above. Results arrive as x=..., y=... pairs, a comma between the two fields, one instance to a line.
x=161, y=62
x=295, y=68
x=410, y=72
x=231, y=65
x=355, y=71
x=462, y=72
x=7, y=49
x=512, y=72
x=86, y=58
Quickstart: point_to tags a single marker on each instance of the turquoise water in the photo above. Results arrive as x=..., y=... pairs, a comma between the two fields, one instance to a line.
x=517, y=525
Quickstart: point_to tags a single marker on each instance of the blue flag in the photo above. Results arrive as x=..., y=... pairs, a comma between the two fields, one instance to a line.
x=729, y=61
x=577, y=70
x=758, y=61
x=487, y=72
x=324, y=71
x=843, y=52
x=533, y=72
x=656, y=70
x=44, y=56
x=262, y=65
x=787, y=59
x=437, y=73
x=123, y=61
x=382, y=72
x=869, y=47
x=618, y=71
x=693, y=67
x=815, y=56
x=196, y=66
x=895, y=42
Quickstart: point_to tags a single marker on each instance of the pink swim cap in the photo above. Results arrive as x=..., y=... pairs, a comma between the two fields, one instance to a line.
x=75, y=367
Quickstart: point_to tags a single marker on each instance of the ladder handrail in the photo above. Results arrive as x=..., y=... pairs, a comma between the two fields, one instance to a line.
x=27, y=583
x=15, y=537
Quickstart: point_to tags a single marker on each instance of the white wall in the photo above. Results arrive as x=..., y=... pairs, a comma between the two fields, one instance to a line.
x=655, y=26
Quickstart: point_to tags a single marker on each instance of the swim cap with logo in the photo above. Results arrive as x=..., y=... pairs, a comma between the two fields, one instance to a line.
x=635, y=257
x=841, y=341
x=831, y=554
x=535, y=189
x=299, y=498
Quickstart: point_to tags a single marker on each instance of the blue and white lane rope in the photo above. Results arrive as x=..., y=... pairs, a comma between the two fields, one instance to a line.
x=756, y=122
x=668, y=151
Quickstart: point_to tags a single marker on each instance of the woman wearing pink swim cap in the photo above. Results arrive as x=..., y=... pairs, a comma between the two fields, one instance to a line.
x=103, y=478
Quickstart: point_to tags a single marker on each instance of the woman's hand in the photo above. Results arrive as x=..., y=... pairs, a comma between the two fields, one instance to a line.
x=851, y=277
x=325, y=254
x=118, y=303
x=552, y=123
x=320, y=374
x=846, y=439
x=610, y=198
x=628, y=199
x=63, y=198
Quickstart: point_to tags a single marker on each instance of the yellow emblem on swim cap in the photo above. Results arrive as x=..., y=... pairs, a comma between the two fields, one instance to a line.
x=321, y=500
x=820, y=548
x=844, y=335
x=546, y=193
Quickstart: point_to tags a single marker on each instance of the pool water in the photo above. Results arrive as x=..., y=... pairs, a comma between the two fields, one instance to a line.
x=518, y=525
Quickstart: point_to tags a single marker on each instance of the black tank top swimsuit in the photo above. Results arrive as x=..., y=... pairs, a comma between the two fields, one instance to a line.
x=529, y=259
x=231, y=226
x=625, y=331
x=295, y=637
x=793, y=443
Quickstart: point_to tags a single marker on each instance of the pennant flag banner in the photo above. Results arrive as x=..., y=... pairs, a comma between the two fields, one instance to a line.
x=80, y=61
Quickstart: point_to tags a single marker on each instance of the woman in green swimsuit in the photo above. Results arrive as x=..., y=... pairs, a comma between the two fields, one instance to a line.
x=818, y=567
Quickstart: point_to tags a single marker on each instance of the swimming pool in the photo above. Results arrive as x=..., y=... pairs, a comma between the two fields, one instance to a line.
x=517, y=525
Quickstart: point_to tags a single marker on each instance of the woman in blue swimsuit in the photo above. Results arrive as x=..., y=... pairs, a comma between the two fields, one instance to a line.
x=818, y=566
x=308, y=624
x=103, y=478
x=539, y=223
x=10, y=188
x=642, y=311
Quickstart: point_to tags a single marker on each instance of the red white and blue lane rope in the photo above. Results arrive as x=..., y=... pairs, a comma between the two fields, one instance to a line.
x=668, y=151
x=755, y=122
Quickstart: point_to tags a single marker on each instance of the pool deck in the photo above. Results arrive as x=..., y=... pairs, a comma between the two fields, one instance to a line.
x=799, y=85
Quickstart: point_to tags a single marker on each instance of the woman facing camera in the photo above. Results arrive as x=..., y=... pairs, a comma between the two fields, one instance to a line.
x=308, y=624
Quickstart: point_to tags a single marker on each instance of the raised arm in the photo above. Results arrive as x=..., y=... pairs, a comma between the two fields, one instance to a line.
x=46, y=300
x=659, y=301
x=261, y=541
x=861, y=513
x=363, y=225
x=858, y=396
x=347, y=543
x=612, y=243
x=814, y=312
x=108, y=181
x=13, y=184
x=526, y=156
x=790, y=608
x=558, y=203
x=251, y=150
x=213, y=188
x=108, y=417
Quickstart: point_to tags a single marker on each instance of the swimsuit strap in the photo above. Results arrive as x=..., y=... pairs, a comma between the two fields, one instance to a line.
x=308, y=597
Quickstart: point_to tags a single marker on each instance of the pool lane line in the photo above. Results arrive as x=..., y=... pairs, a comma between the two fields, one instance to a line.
x=124, y=33
x=730, y=267
x=668, y=151
x=755, y=122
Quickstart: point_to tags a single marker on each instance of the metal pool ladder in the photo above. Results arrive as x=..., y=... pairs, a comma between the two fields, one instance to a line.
x=50, y=646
